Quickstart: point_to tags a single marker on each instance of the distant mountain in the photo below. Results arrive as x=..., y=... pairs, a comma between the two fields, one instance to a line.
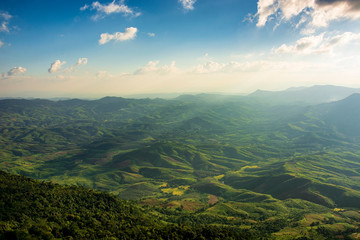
x=344, y=114
x=305, y=95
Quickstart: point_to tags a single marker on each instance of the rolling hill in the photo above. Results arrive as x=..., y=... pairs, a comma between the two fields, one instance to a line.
x=221, y=157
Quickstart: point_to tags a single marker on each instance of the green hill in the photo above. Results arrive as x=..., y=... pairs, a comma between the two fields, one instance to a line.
x=196, y=150
x=32, y=209
x=41, y=210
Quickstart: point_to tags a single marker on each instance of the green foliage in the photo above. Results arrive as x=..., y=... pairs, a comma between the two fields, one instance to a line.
x=32, y=209
x=216, y=149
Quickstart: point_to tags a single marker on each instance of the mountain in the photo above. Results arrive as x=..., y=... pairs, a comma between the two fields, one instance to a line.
x=215, y=157
x=305, y=95
x=33, y=209
x=42, y=210
x=344, y=115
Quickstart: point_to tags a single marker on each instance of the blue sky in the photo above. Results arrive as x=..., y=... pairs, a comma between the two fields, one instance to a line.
x=98, y=48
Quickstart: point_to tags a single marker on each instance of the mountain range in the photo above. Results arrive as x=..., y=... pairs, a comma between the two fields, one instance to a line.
x=267, y=156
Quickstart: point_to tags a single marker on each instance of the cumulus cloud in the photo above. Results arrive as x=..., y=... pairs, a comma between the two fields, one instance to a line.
x=81, y=61
x=353, y=4
x=151, y=34
x=103, y=10
x=318, y=44
x=304, y=45
x=129, y=34
x=153, y=67
x=316, y=13
x=56, y=66
x=16, y=71
x=13, y=72
x=1, y=43
x=188, y=4
x=4, y=18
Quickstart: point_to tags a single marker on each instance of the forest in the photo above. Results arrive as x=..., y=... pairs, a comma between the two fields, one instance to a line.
x=270, y=165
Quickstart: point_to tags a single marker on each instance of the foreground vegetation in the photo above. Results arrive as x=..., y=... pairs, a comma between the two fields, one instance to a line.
x=32, y=209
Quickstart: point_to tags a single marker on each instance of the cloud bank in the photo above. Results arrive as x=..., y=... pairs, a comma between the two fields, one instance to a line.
x=129, y=34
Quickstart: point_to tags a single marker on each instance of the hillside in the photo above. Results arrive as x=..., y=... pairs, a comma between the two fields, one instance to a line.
x=32, y=209
x=305, y=95
x=227, y=157
x=42, y=210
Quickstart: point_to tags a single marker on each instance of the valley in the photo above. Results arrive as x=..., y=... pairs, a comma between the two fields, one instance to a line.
x=285, y=168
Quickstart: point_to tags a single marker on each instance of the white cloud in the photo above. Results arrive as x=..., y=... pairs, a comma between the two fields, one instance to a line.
x=306, y=45
x=56, y=66
x=318, y=44
x=151, y=34
x=110, y=8
x=81, y=61
x=316, y=13
x=4, y=17
x=16, y=71
x=188, y=4
x=83, y=8
x=153, y=67
x=129, y=34
x=13, y=72
x=4, y=27
x=1, y=43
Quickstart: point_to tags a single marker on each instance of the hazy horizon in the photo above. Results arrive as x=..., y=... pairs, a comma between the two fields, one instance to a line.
x=93, y=49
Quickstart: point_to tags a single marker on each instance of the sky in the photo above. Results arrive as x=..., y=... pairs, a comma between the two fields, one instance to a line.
x=92, y=49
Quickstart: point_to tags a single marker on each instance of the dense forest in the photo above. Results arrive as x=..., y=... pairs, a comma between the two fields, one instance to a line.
x=282, y=165
x=32, y=209
x=42, y=210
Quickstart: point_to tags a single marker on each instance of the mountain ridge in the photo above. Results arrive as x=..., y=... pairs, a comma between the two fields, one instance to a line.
x=223, y=155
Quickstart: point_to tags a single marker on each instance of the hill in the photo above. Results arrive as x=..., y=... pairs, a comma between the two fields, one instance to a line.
x=42, y=210
x=32, y=209
x=344, y=115
x=194, y=151
x=305, y=95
